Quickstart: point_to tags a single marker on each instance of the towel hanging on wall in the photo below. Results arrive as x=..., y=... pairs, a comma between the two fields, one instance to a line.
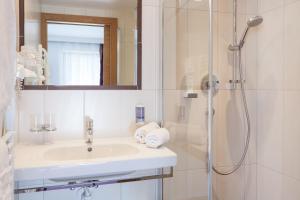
x=7, y=51
x=6, y=167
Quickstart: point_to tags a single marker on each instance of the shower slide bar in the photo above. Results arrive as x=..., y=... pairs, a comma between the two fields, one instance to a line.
x=94, y=183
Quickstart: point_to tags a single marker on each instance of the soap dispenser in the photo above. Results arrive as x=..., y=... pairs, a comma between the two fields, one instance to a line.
x=139, y=115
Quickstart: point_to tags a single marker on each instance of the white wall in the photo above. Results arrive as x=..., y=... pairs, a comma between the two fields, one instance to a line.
x=113, y=111
x=278, y=101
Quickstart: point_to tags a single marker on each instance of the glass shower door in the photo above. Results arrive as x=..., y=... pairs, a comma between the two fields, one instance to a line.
x=186, y=60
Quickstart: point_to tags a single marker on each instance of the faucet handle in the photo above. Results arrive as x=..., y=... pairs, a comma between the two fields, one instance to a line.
x=89, y=123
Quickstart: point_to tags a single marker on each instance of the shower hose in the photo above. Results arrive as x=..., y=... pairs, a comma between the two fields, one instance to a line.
x=244, y=99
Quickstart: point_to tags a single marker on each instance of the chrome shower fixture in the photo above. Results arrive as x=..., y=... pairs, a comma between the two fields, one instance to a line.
x=237, y=48
x=252, y=22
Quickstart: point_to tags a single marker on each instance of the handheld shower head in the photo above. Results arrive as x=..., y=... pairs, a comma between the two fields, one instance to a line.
x=252, y=22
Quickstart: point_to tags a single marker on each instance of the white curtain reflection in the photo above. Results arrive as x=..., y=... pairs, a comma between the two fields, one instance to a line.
x=74, y=63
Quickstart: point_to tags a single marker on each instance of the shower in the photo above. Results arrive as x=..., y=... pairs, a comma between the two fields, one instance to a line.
x=252, y=22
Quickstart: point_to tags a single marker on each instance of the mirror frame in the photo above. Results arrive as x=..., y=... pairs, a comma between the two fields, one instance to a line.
x=138, y=86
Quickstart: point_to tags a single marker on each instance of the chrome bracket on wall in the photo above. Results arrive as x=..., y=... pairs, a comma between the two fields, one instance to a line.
x=94, y=183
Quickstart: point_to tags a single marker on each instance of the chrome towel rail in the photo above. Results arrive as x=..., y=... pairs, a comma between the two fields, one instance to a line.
x=93, y=183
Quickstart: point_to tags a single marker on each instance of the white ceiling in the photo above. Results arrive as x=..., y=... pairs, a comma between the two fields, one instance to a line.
x=78, y=33
x=93, y=3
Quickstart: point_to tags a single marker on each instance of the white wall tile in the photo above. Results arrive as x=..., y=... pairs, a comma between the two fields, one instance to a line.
x=270, y=127
x=104, y=107
x=291, y=137
x=170, y=48
x=176, y=188
x=291, y=188
x=267, y=5
x=250, y=58
x=291, y=46
x=150, y=47
x=129, y=99
x=67, y=106
x=30, y=103
x=269, y=184
x=270, y=51
x=250, y=182
x=231, y=187
x=197, y=184
x=252, y=6
x=277, y=111
x=227, y=6
x=289, y=1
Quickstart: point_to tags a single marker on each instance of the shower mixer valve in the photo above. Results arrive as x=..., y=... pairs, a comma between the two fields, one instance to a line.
x=205, y=84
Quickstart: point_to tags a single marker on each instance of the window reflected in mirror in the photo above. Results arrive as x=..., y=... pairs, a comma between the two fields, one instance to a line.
x=75, y=54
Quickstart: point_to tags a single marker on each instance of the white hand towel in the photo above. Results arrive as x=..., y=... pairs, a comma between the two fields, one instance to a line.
x=6, y=184
x=157, y=138
x=3, y=155
x=5, y=171
x=141, y=133
x=7, y=51
x=6, y=167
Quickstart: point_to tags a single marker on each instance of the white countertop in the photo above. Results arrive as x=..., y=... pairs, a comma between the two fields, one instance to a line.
x=31, y=164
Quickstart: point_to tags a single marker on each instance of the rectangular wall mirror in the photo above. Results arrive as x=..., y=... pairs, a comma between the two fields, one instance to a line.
x=82, y=44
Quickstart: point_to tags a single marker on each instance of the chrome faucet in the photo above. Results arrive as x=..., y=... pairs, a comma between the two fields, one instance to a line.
x=89, y=132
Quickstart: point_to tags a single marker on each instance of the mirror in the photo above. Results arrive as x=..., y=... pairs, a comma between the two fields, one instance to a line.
x=80, y=44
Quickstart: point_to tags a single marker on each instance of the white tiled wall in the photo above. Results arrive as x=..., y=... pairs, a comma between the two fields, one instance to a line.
x=278, y=100
x=113, y=112
x=272, y=63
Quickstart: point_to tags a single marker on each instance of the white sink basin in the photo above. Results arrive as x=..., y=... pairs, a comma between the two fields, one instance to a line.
x=66, y=160
x=81, y=153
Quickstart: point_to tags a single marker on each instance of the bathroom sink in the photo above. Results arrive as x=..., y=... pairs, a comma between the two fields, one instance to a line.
x=68, y=160
x=81, y=152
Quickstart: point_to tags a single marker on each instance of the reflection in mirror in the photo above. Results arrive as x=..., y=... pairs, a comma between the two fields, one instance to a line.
x=82, y=43
x=75, y=54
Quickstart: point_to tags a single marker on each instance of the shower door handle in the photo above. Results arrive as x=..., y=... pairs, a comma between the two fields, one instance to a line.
x=213, y=112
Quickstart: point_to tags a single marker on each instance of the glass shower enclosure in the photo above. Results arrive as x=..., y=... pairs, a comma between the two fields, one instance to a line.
x=207, y=124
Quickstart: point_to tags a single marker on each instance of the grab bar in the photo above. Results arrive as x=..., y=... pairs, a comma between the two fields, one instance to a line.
x=94, y=183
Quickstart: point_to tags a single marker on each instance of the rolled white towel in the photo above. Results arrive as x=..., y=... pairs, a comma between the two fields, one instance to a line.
x=157, y=138
x=141, y=133
x=29, y=73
